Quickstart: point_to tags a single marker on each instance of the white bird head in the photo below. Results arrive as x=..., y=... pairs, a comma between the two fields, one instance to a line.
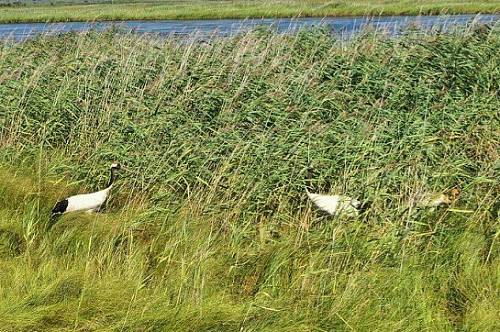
x=115, y=166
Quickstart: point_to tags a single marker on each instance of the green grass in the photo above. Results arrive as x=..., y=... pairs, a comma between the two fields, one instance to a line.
x=237, y=9
x=209, y=228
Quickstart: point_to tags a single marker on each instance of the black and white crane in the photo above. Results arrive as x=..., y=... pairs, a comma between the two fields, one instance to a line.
x=86, y=202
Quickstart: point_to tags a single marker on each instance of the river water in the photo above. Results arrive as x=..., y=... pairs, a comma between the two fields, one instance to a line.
x=342, y=26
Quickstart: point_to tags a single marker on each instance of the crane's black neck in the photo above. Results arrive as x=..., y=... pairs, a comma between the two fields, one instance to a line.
x=111, y=177
x=309, y=177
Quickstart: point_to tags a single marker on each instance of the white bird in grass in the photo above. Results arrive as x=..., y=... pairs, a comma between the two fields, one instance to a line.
x=336, y=205
x=86, y=202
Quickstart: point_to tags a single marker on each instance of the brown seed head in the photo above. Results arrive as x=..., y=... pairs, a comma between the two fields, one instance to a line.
x=453, y=194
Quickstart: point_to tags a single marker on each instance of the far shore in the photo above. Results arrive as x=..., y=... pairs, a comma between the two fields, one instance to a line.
x=199, y=10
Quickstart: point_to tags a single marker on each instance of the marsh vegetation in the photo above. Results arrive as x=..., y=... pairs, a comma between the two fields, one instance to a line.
x=209, y=228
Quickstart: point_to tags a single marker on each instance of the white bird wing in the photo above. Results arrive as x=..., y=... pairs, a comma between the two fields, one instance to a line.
x=326, y=203
x=335, y=204
x=86, y=202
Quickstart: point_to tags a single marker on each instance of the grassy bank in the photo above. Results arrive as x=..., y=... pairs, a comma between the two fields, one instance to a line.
x=237, y=9
x=209, y=228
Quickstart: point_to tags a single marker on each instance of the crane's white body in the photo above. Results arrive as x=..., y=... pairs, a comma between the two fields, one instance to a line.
x=87, y=202
x=336, y=204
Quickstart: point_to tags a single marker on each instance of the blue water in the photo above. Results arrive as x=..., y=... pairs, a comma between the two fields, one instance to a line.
x=342, y=26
